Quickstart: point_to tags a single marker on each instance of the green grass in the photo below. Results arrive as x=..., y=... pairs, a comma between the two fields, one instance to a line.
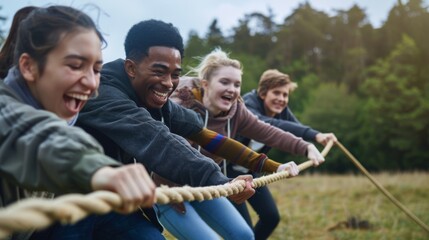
x=310, y=204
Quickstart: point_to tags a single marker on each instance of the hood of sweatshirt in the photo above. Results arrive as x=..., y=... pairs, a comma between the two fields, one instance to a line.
x=189, y=94
x=113, y=74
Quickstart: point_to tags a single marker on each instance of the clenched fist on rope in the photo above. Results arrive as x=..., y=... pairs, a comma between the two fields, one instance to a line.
x=314, y=155
x=290, y=167
x=247, y=192
x=131, y=182
x=324, y=138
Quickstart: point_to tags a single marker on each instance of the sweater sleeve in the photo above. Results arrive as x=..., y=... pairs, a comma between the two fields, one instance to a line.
x=133, y=129
x=296, y=128
x=184, y=122
x=252, y=127
x=39, y=151
x=234, y=151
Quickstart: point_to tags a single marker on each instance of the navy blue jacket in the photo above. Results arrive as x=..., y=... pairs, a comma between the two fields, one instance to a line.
x=285, y=120
x=128, y=131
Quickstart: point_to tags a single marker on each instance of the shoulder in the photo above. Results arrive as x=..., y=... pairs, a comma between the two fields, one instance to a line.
x=184, y=90
x=188, y=92
x=251, y=98
x=243, y=113
x=5, y=90
x=8, y=96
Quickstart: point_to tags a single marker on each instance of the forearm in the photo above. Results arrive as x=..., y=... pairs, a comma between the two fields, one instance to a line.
x=234, y=151
x=297, y=129
x=52, y=156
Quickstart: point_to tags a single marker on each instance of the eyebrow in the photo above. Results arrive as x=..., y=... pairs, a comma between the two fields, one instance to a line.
x=164, y=67
x=75, y=56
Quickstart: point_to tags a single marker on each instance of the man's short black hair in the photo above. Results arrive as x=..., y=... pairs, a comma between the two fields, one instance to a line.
x=150, y=33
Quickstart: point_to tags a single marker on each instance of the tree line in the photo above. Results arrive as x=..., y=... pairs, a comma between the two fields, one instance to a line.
x=370, y=86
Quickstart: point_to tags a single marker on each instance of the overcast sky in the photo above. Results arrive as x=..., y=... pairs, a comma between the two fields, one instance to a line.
x=118, y=16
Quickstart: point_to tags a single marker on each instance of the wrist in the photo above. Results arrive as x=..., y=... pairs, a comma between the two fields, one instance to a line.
x=100, y=176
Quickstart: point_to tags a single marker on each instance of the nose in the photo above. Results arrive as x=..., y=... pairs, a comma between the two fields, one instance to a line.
x=91, y=80
x=167, y=82
x=284, y=99
x=230, y=88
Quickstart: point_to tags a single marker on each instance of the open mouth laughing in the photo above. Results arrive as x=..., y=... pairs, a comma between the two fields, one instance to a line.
x=228, y=98
x=159, y=98
x=75, y=101
x=161, y=94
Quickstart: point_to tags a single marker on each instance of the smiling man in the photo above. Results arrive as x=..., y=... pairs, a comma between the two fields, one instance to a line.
x=136, y=122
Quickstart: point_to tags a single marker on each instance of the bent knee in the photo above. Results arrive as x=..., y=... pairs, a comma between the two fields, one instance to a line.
x=243, y=235
x=240, y=234
x=271, y=219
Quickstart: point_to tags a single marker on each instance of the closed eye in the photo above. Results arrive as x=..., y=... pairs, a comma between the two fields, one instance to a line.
x=74, y=67
x=158, y=73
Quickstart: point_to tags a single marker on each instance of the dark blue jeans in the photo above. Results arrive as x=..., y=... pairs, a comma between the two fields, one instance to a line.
x=264, y=205
x=97, y=227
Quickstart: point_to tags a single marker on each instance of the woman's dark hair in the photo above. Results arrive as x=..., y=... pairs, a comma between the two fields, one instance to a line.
x=43, y=29
x=6, y=53
x=151, y=33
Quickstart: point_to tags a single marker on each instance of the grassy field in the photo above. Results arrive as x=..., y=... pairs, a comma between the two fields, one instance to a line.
x=310, y=204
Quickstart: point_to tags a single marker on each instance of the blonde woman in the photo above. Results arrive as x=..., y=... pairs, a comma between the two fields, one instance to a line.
x=215, y=94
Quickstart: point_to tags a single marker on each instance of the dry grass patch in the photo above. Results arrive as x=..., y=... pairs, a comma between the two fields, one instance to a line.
x=310, y=204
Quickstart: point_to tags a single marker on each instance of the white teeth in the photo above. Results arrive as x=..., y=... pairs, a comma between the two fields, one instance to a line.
x=82, y=97
x=160, y=94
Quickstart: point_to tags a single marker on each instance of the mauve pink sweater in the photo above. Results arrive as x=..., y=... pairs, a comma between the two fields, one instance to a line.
x=242, y=121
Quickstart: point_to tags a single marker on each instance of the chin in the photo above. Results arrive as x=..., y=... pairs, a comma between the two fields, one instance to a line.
x=156, y=105
x=67, y=118
x=225, y=108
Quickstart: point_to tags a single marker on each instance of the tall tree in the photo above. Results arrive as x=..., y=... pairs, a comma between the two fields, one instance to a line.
x=306, y=34
x=397, y=110
x=255, y=34
x=195, y=46
x=345, y=55
x=411, y=18
x=215, y=37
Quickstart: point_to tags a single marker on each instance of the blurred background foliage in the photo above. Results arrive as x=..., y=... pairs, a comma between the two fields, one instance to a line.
x=369, y=86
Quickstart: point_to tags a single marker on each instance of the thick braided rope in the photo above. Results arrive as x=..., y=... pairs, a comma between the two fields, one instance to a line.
x=262, y=181
x=32, y=214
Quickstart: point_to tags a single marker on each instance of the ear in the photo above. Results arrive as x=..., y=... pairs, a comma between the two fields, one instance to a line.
x=28, y=67
x=262, y=96
x=204, y=83
x=130, y=68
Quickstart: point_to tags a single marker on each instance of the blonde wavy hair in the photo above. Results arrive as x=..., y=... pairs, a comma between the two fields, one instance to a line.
x=210, y=63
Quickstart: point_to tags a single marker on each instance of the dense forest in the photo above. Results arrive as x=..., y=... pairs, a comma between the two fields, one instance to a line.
x=369, y=86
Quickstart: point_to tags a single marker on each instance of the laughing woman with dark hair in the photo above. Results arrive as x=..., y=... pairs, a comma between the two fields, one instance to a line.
x=56, y=69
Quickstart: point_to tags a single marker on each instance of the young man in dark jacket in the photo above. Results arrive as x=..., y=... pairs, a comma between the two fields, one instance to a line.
x=135, y=121
x=269, y=103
